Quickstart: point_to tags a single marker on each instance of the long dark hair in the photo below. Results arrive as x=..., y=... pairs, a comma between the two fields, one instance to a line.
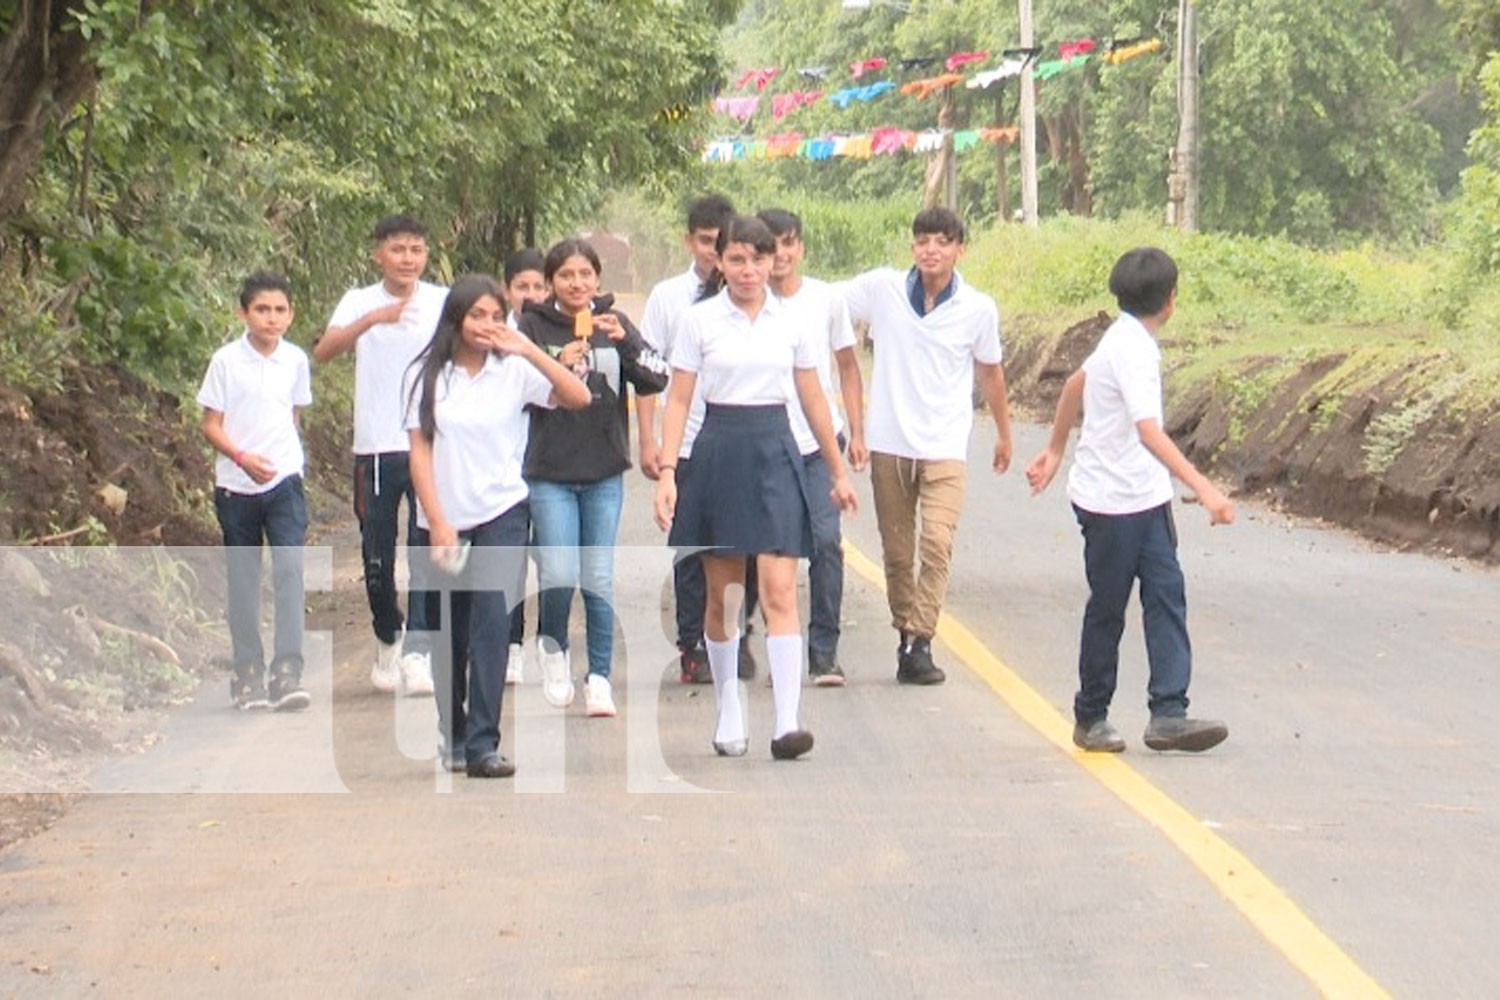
x=440, y=350
x=738, y=229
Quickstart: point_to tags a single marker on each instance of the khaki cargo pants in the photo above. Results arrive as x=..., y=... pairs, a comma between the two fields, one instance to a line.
x=905, y=488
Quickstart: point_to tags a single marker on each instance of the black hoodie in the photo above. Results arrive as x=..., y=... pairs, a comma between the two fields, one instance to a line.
x=587, y=445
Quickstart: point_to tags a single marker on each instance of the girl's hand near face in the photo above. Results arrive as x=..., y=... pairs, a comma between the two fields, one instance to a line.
x=505, y=340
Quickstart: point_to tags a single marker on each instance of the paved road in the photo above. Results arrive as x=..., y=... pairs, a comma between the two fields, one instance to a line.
x=936, y=843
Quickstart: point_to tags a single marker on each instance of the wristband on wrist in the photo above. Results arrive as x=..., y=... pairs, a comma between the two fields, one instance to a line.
x=666, y=468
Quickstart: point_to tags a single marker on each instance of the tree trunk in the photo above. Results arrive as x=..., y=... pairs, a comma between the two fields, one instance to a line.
x=44, y=71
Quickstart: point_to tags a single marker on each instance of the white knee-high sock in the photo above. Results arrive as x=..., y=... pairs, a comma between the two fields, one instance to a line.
x=785, y=652
x=724, y=663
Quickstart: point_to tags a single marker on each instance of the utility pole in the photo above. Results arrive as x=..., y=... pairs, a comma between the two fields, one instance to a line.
x=1182, y=181
x=1028, y=122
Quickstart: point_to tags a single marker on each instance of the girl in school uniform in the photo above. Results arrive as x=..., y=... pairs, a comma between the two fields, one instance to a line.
x=744, y=493
x=466, y=410
x=574, y=466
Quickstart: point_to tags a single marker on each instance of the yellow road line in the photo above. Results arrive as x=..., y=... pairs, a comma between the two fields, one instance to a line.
x=1262, y=902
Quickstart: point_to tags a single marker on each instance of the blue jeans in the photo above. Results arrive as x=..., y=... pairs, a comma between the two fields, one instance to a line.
x=1118, y=549
x=279, y=518
x=825, y=571
x=474, y=660
x=381, y=482
x=574, y=529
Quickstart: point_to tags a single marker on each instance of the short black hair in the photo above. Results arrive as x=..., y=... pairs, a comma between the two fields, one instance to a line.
x=746, y=229
x=1142, y=280
x=781, y=222
x=709, y=212
x=263, y=281
x=398, y=225
x=527, y=259
x=560, y=251
x=938, y=220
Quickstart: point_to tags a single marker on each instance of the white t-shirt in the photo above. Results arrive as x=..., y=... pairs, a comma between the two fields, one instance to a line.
x=740, y=361
x=1113, y=472
x=665, y=306
x=381, y=356
x=257, y=395
x=921, y=392
x=818, y=307
x=476, y=465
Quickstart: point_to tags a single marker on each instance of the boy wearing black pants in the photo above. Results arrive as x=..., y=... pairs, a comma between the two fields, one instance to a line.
x=1121, y=489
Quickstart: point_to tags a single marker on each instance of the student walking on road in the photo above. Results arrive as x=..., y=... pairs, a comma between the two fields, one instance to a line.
x=250, y=398
x=665, y=307
x=933, y=333
x=524, y=282
x=745, y=491
x=1121, y=488
x=467, y=401
x=574, y=465
x=386, y=324
x=818, y=308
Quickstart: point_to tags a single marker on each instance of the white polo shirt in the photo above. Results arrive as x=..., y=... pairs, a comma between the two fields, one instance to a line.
x=665, y=306
x=1113, y=472
x=921, y=392
x=381, y=356
x=257, y=394
x=476, y=464
x=740, y=361
x=818, y=307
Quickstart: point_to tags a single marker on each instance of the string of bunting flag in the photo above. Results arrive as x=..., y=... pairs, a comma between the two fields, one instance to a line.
x=1070, y=55
x=882, y=141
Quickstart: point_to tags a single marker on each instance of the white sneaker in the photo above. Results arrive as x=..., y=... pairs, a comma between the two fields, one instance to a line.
x=598, y=697
x=385, y=675
x=557, y=681
x=416, y=674
x=513, y=669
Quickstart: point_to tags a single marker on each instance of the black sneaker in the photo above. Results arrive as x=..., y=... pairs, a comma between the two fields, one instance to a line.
x=824, y=670
x=248, y=693
x=288, y=695
x=917, y=667
x=693, y=664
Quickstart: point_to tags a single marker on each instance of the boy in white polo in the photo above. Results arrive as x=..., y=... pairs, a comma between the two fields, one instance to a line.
x=387, y=325
x=818, y=307
x=1121, y=489
x=934, y=334
x=250, y=396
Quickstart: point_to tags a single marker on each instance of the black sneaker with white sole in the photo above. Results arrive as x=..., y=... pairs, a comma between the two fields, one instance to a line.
x=824, y=670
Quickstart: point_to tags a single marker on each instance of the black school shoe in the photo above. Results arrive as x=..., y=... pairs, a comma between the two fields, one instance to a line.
x=914, y=663
x=491, y=765
x=792, y=745
x=1167, y=732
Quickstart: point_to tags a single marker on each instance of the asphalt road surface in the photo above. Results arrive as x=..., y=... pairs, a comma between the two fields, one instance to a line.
x=938, y=842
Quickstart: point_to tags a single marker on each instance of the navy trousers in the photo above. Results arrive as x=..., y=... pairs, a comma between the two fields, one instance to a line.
x=1119, y=549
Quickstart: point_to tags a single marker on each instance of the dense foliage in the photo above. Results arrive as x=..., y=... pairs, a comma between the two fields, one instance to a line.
x=223, y=135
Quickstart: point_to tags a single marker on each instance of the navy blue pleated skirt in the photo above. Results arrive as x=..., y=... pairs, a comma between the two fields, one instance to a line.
x=743, y=491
